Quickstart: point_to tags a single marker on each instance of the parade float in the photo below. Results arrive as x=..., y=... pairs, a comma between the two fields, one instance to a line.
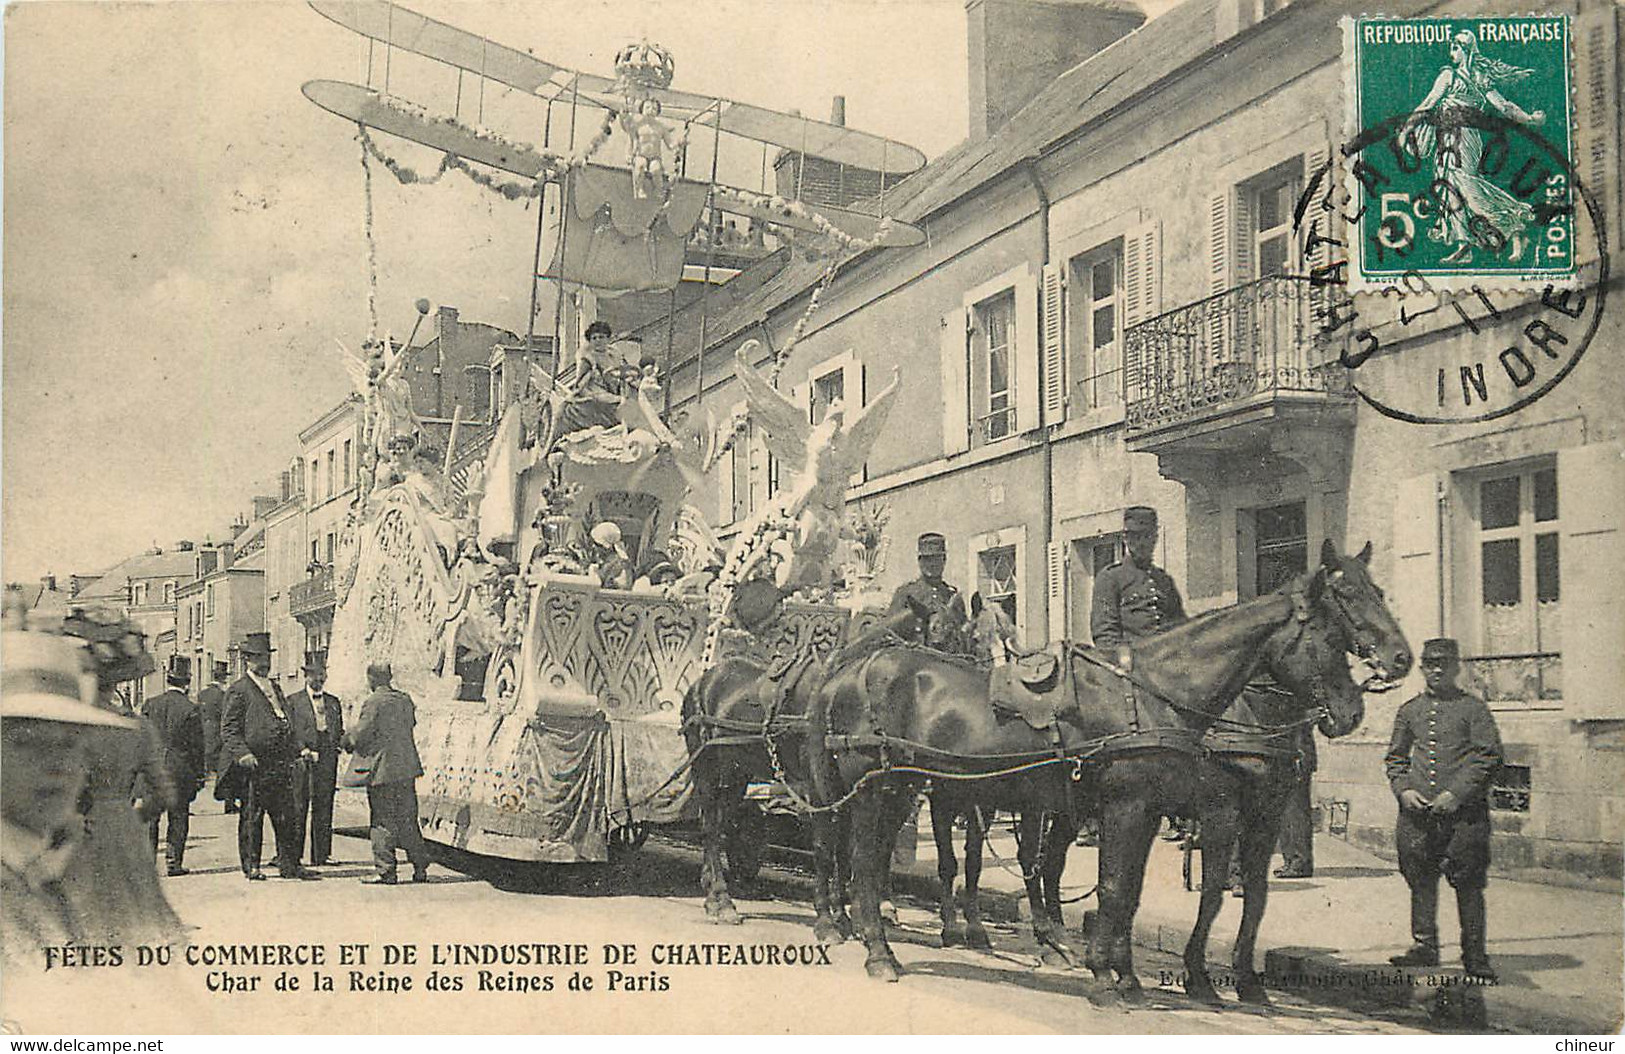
x=548, y=602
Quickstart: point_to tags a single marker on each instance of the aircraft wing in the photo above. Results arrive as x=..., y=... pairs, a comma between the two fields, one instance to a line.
x=398, y=27
x=410, y=121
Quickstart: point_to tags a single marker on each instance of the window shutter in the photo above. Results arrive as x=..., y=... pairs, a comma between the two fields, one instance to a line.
x=1413, y=586
x=1142, y=297
x=1055, y=588
x=1221, y=233
x=956, y=381
x=1054, y=346
x=1326, y=224
x=1597, y=99
x=1026, y=353
x=1591, y=489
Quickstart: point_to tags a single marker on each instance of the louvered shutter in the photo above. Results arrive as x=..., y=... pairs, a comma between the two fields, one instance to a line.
x=1414, y=589
x=1054, y=346
x=1591, y=488
x=1055, y=589
x=1142, y=266
x=956, y=381
x=1221, y=255
x=1597, y=92
x=1026, y=352
x=1326, y=224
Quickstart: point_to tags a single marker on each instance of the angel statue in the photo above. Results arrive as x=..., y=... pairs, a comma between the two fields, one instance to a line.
x=804, y=520
x=650, y=137
x=379, y=378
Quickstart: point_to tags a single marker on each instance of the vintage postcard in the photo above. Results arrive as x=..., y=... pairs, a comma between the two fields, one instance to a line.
x=926, y=516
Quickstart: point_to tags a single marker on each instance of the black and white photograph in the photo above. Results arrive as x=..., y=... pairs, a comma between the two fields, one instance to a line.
x=812, y=517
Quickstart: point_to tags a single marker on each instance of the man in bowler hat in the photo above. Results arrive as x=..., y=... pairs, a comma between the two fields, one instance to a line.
x=946, y=626
x=1443, y=756
x=179, y=725
x=321, y=722
x=261, y=738
x=386, y=763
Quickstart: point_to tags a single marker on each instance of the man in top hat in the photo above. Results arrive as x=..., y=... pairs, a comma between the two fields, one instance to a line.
x=179, y=725
x=386, y=762
x=44, y=726
x=945, y=626
x=1441, y=760
x=261, y=738
x=321, y=722
x=1134, y=598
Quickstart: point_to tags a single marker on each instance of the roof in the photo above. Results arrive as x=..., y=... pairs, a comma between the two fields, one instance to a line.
x=1085, y=93
x=175, y=564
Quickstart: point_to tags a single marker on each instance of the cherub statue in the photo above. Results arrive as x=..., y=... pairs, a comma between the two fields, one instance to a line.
x=804, y=520
x=650, y=138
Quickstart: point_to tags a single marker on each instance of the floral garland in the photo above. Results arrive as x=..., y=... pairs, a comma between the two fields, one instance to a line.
x=372, y=245
x=402, y=173
x=782, y=356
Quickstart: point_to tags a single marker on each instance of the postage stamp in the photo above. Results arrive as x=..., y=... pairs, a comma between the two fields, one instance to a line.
x=1471, y=185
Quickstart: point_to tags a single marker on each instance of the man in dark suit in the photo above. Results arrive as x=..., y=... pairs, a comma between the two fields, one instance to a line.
x=321, y=722
x=386, y=763
x=210, y=702
x=179, y=725
x=260, y=738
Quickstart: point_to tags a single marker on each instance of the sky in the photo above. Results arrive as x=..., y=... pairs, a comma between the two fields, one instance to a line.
x=184, y=234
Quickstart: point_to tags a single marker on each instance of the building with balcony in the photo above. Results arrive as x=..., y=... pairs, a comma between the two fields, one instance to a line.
x=1109, y=310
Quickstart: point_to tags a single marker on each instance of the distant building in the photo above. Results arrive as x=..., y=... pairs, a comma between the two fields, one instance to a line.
x=144, y=588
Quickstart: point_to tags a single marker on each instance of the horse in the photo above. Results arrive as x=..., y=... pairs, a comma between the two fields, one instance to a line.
x=902, y=715
x=745, y=722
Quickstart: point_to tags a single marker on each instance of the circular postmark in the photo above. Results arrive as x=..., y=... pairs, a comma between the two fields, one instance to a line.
x=1427, y=349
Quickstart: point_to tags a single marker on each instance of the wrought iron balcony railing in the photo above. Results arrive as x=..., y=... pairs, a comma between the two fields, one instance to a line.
x=313, y=594
x=1196, y=360
x=1532, y=677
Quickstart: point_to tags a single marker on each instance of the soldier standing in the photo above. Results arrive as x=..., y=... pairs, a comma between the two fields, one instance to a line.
x=179, y=725
x=1134, y=598
x=945, y=627
x=1444, y=753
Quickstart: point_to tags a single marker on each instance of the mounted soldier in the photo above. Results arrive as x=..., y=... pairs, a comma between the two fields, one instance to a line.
x=944, y=628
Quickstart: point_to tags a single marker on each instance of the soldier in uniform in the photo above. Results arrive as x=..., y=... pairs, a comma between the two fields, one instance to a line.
x=1134, y=598
x=945, y=629
x=1444, y=753
x=179, y=725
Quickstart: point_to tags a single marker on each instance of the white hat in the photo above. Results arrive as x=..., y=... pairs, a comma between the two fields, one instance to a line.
x=41, y=678
x=607, y=534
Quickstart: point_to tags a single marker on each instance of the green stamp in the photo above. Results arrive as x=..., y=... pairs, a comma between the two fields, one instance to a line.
x=1459, y=151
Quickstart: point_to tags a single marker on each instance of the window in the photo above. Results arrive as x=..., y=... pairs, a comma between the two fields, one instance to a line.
x=138, y=594
x=1520, y=631
x=1280, y=546
x=348, y=460
x=332, y=540
x=315, y=551
x=331, y=457
x=993, y=394
x=826, y=391
x=1095, y=313
x=315, y=479
x=1272, y=198
x=169, y=592
x=996, y=578
x=208, y=599
x=1510, y=791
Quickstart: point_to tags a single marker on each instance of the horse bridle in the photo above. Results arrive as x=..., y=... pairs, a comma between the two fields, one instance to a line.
x=1361, y=648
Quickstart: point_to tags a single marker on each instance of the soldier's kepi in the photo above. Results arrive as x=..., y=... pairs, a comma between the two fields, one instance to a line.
x=1134, y=598
x=945, y=624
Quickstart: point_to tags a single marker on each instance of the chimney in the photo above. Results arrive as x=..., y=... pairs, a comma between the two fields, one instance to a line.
x=48, y=583
x=263, y=503
x=1017, y=48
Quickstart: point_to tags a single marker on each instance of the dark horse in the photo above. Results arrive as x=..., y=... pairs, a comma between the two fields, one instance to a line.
x=745, y=722
x=1130, y=745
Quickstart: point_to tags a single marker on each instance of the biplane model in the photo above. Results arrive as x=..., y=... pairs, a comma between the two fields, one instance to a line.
x=625, y=228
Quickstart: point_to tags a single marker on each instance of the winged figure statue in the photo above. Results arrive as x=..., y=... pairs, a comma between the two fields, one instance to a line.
x=808, y=512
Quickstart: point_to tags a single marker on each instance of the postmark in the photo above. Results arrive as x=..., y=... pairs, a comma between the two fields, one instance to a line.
x=1427, y=347
x=1455, y=194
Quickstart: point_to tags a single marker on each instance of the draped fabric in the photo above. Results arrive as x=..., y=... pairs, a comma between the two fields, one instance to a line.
x=615, y=242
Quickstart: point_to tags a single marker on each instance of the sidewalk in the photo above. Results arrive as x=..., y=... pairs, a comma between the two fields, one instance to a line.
x=1558, y=951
